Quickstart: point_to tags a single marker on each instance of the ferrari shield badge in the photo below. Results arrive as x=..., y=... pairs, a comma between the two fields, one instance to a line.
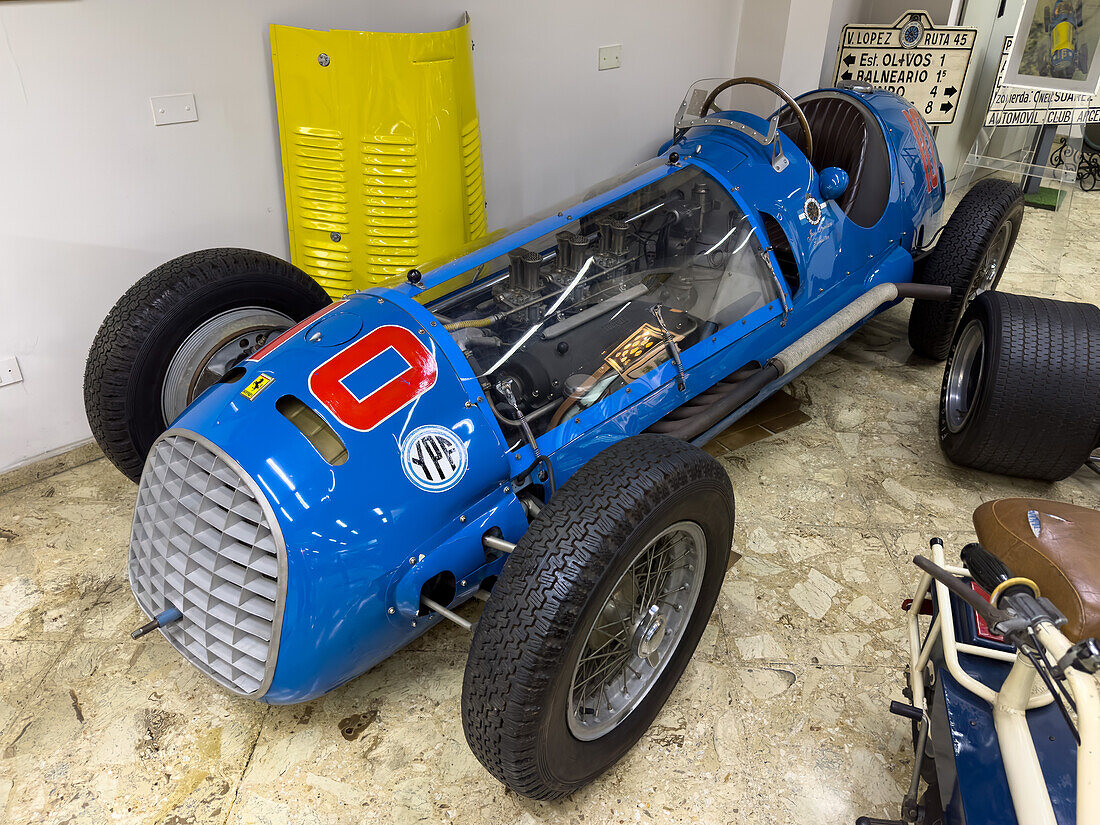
x=257, y=385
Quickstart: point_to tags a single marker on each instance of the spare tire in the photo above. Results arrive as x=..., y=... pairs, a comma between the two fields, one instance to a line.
x=1021, y=391
x=175, y=332
x=970, y=258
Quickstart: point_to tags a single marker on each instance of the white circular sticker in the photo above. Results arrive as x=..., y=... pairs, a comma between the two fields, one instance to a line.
x=434, y=458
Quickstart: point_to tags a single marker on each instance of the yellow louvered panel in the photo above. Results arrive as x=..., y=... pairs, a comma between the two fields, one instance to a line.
x=381, y=151
x=473, y=179
x=320, y=194
x=389, y=169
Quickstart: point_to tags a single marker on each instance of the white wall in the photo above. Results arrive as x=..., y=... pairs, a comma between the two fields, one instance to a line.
x=792, y=42
x=93, y=195
x=805, y=45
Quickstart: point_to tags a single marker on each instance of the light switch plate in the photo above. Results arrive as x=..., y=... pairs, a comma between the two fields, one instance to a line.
x=174, y=109
x=9, y=371
x=611, y=57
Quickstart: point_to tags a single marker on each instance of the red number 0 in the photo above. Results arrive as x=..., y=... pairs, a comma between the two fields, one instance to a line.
x=926, y=146
x=327, y=381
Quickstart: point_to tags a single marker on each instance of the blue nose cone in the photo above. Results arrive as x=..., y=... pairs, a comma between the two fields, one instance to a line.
x=833, y=182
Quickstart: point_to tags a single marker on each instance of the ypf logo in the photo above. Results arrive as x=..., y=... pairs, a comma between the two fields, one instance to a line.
x=434, y=458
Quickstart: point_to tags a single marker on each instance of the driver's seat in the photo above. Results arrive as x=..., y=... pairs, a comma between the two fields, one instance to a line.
x=846, y=134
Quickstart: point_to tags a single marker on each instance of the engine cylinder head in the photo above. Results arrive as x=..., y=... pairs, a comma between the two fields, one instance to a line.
x=572, y=251
x=524, y=267
x=613, y=234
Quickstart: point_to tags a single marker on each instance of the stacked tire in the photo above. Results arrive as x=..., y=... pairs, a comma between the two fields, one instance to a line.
x=1021, y=390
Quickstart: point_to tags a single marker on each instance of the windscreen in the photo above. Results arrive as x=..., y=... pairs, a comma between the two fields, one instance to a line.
x=740, y=98
x=565, y=320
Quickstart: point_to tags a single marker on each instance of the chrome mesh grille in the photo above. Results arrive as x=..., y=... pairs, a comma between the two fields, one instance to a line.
x=202, y=543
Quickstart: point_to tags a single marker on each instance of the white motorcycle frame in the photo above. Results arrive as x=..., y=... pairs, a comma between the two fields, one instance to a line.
x=1010, y=704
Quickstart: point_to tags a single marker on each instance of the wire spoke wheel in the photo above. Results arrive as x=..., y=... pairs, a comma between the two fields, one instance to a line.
x=176, y=332
x=970, y=258
x=596, y=614
x=992, y=264
x=642, y=620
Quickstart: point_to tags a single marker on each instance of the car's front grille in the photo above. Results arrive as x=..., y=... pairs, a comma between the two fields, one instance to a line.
x=205, y=543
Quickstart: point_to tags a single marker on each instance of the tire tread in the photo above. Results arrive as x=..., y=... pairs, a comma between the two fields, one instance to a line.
x=954, y=261
x=136, y=316
x=1040, y=412
x=528, y=621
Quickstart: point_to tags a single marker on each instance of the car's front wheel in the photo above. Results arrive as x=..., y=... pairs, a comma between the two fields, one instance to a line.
x=177, y=331
x=596, y=615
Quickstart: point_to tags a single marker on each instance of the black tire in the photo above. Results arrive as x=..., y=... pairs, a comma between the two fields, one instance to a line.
x=1083, y=58
x=1021, y=391
x=130, y=356
x=969, y=257
x=535, y=626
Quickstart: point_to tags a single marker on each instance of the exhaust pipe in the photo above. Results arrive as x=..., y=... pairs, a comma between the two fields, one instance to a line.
x=693, y=426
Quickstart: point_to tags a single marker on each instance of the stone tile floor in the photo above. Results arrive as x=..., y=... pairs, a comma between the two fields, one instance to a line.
x=780, y=718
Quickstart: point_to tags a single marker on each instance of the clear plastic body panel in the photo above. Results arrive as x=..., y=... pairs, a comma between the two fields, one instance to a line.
x=567, y=319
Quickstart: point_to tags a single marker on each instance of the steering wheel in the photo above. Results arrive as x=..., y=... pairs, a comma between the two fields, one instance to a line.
x=708, y=104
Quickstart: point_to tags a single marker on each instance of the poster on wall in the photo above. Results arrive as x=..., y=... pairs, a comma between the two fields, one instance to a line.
x=1055, y=47
x=913, y=58
x=1021, y=106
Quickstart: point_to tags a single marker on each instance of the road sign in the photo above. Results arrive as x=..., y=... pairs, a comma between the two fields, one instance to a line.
x=913, y=58
x=1019, y=106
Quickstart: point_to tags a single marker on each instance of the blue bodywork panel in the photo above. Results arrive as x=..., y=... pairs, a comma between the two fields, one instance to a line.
x=969, y=767
x=364, y=536
x=973, y=784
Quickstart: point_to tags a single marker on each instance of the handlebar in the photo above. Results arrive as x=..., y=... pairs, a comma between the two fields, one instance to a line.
x=987, y=570
x=991, y=614
x=1023, y=608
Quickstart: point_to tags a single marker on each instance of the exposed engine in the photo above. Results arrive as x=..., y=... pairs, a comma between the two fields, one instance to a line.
x=573, y=316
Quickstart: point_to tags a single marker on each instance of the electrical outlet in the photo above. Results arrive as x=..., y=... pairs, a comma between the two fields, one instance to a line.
x=611, y=57
x=9, y=371
x=169, y=109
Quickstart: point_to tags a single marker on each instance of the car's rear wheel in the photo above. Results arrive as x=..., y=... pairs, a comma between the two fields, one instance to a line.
x=177, y=331
x=1021, y=391
x=970, y=258
x=596, y=615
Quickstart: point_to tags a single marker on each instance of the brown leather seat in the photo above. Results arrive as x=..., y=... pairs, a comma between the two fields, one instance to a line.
x=847, y=135
x=1055, y=545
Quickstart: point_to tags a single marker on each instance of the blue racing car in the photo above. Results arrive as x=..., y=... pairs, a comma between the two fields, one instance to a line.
x=320, y=483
